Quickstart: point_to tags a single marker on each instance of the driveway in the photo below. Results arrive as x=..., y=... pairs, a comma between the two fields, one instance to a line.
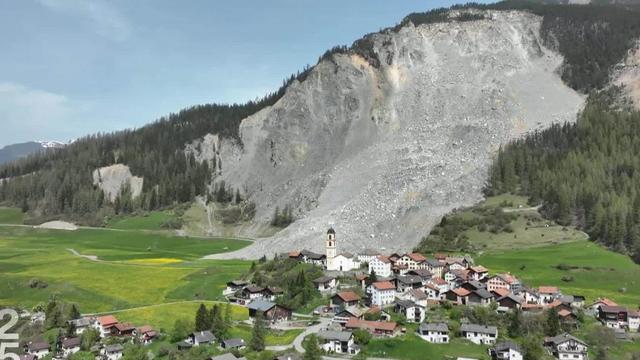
x=297, y=342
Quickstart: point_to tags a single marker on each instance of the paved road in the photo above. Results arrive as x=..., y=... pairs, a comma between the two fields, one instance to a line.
x=297, y=342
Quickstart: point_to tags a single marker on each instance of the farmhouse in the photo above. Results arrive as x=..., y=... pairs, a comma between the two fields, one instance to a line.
x=310, y=257
x=344, y=299
x=457, y=296
x=270, y=311
x=411, y=311
x=437, y=333
x=595, y=307
x=548, y=294
x=382, y=293
x=504, y=281
x=479, y=297
x=123, y=329
x=509, y=302
x=478, y=272
x=326, y=283
x=424, y=274
x=104, y=324
x=413, y=261
x=229, y=356
x=233, y=344
x=233, y=287
x=252, y=292
x=112, y=352
x=82, y=324
x=617, y=317
x=479, y=334
x=417, y=296
x=381, y=266
x=146, y=334
x=436, y=267
x=340, y=342
x=565, y=346
x=201, y=338
x=406, y=282
x=39, y=349
x=376, y=328
x=506, y=351
x=349, y=312
x=70, y=346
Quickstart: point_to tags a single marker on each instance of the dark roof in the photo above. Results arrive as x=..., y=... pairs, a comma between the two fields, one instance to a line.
x=434, y=327
x=504, y=346
x=115, y=348
x=38, y=346
x=233, y=343
x=203, y=336
x=434, y=262
x=405, y=303
x=312, y=255
x=261, y=305
x=563, y=338
x=612, y=309
x=254, y=288
x=331, y=231
x=479, y=328
x=515, y=298
x=82, y=322
x=323, y=279
x=410, y=279
x=70, y=343
x=483, y=293
x=237, y=283
x=423, y=273
x=335, y=335
x=417, y=294
x=227, y=356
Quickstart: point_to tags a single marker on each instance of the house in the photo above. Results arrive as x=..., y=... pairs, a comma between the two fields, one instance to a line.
x=201, y=338
x=413, y=261
x=340, y=342
x=424, y=274
x=39, y=349
x=112, y=352
x=146, y=334
x=633, y=319
x=70, y=346
x=529, y=296
x=504, y=281
x=506, y=351
x=382, y=293
x=326, y=283
x=565, y=346
x=440, y=283
x=615, y=317
x=567, y=317
x=436, y=267
x=27, y=357
x=381, y=266
x=595, y=307
x=104, y=324
x=345, y=262
x=479, y=297
x=344, y=299
x=81, y=324
x=227, y=356
x=417, y=296
x=437, y=333
x=509, y=302
x=367, y=255
x=472, y=285
x=252, y=292
x=233, y=287
x=123, y=329
x=310, y=257
x=432, y=292
x=233, y=344
x=479, y=334
x=457, y=296
x=270, y=311
x=478, y=272
x=349, y=312
x=376, y=328
x=38, y=318
x=362, y=280
x=406, y=282
x=548, y=294
x=411, y=311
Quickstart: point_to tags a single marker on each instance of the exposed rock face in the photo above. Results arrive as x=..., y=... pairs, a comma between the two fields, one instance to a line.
x=629, y=76
x=112, y=178
x=382, y=153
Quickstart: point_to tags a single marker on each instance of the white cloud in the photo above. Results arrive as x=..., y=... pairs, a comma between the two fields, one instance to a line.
x=108, y=21
x=28, y=114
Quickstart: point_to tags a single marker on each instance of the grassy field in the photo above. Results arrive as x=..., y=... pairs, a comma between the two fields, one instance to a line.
x=595, y=271
x=411, y=347
x=134, y=268
x=156, y=315
x=150, y=221
x=274, y=337
x=11, y=216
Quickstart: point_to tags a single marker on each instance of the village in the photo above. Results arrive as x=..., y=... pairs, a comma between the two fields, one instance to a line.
x=382, y=295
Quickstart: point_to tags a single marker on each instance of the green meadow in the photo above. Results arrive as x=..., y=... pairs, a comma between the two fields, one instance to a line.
x=411, y=347
x=133, y=268
x=11, y=216
x=150, y=221
x=579, y=268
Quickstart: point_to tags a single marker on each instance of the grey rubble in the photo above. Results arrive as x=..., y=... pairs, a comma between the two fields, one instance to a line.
x=382, y=154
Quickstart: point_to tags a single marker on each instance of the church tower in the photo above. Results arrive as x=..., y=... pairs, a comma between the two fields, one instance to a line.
x=330, y=247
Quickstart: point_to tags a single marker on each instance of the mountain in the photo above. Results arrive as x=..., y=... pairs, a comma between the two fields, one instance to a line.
x=17, y=151
x=378, y=140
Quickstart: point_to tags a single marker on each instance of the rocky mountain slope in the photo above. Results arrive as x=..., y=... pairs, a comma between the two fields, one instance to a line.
x=17, y=151
x=382, y=152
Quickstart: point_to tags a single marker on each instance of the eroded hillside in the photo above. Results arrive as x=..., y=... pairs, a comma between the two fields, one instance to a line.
x=381, y=153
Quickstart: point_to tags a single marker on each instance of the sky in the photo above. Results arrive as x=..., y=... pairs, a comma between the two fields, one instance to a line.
x=73, y=67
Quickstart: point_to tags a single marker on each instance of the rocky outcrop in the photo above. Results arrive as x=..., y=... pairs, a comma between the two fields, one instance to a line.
x=381, y=153
x=628, y=76
x=112, y=178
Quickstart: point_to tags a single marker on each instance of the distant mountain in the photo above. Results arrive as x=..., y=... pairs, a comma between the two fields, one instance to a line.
x=17, y=151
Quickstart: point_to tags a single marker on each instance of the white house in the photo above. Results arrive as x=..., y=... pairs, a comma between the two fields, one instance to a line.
x=326, y=283
x=548, y=294
x=233, y=287
x=504, y=281
x=479, y=334
x=339, y=342
x=432, y=292
x=201, y=338
x=437, y=333
x=82, y=324
x=345, y=262
x=565, y=346
x=381, y=266
x=70, y=346
x=436, y=267
x=506, y=351
x=39, y=349
x=417, y=296
x=104, y=324
x=411, y=311
x=413, y=261
x=113, y=352
x=634, y=320
x=367, y=255
x=382, y=293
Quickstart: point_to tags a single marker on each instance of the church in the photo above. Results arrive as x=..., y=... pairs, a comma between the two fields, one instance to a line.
x=338, y=262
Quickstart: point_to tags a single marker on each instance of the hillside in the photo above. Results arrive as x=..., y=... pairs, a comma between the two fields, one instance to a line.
x=380, y=139
x=17, y=151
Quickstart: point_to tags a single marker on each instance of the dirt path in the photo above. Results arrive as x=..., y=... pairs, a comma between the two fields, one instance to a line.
x=89, y=257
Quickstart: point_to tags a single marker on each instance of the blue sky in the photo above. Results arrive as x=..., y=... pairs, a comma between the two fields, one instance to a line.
x=73, y=67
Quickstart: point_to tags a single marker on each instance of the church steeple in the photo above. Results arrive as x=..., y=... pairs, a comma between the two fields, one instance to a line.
x=330, y=247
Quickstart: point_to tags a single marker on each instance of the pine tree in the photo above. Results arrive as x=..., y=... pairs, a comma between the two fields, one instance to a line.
x=74, y=313
x=202, y=319
x=552, y=323
x=258, y=333
x=311, y=349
